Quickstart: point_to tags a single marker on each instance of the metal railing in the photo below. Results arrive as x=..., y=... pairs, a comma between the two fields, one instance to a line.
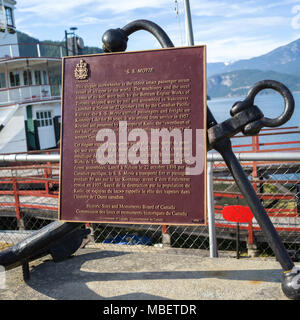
x=29, y=199
x=267, y=141
x=31, y=93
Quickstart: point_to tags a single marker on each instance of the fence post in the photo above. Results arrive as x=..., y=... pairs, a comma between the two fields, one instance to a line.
x=213, y=250
x=91, y=236
x=297, y=197
x=20, y=221
x=46, y=176
x=251, y=246
x=166, y=239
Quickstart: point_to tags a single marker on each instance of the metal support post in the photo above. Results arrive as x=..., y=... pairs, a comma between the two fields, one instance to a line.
x=188, y=23
x=213, y=249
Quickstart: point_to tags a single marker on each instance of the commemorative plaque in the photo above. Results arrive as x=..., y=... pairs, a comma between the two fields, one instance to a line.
x=133, y=138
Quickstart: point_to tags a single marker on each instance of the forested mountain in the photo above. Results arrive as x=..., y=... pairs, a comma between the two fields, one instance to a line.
x=281, y=64
x=48, y=48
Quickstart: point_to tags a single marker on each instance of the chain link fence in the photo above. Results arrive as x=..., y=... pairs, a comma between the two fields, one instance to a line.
x=29, y=201
x=277, y=185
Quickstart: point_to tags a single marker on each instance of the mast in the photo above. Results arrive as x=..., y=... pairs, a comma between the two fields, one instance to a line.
x=188, y=23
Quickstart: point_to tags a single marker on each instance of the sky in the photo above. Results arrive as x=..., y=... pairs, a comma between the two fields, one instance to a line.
x=231, y=29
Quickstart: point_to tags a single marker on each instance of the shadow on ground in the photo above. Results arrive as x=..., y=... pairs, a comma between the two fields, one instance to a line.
x=68, y=280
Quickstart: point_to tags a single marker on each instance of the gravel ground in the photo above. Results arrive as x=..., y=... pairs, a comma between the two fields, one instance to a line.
x=95, y=274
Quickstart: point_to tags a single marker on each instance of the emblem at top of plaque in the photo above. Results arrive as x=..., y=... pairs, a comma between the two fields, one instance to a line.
x=81, y=71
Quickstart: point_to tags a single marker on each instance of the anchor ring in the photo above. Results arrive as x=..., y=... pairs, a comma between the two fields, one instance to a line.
x=289, y=103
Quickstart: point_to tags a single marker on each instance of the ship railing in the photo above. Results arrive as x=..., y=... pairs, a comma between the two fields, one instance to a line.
x=31, y=93
x=37, y=50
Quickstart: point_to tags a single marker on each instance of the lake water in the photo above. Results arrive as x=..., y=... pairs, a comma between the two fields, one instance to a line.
x=272, y=105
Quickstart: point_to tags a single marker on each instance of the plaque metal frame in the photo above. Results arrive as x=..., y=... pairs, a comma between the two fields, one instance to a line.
x=85, y=66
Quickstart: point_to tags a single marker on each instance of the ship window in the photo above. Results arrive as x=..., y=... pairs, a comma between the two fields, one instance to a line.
x=45, y=77
x=37, y=75
x=2, y=80
x=14, y=79
x=44, y=118
x=27, y=77
x=9, y=16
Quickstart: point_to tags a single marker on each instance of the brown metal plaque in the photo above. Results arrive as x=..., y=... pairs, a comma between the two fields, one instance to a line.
x=133, y=138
